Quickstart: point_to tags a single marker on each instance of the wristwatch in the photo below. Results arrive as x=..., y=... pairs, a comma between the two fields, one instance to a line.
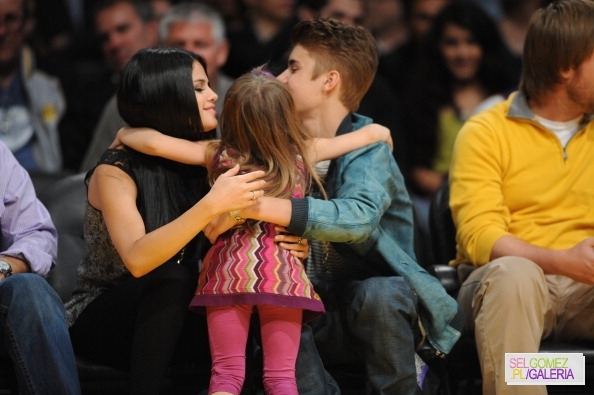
x=5, y=268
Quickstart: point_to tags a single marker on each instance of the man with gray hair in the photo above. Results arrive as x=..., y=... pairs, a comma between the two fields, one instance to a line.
x=199, y=28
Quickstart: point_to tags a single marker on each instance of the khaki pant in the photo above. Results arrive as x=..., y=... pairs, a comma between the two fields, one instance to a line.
x=511, y=305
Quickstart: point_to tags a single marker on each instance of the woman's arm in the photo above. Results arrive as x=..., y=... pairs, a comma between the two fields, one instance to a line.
x=321, y=149
x=153, y=142
x=267, y=209
x=114, y=193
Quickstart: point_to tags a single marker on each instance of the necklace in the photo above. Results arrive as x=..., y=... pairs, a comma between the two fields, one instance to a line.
x=326, y=245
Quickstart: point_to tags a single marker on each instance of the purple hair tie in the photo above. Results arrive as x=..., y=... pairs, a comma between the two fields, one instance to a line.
x=257, y=70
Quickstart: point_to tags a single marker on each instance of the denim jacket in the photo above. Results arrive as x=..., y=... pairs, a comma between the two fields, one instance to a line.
x=369, y=220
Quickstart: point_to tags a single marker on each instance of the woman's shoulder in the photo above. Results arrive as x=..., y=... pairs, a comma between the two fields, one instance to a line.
x=113, y=157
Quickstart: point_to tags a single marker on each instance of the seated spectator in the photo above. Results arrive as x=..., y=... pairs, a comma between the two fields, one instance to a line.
x=262, y=36
x=513, y=25
x=362, y=261
x=31, y=102
x=62, y=33
x=123, y=28
x=160, y=7
x=492, y=7
x=385, y=19
x=345, y=11
x=232, y=12
x=380, y=102
x=397, y=66
x=522, y=200
x=32, y=327
x=462, y=70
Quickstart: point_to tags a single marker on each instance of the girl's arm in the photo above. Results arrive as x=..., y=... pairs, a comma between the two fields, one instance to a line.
x=153, y=142
x=321, y=149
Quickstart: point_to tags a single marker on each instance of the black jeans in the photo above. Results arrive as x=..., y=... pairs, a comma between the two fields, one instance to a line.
x=143, y=325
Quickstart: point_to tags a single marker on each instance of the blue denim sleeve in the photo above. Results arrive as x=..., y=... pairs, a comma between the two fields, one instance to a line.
x=365, y=188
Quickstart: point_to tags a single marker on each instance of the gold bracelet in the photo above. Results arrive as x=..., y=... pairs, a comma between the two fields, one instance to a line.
x=235, y=215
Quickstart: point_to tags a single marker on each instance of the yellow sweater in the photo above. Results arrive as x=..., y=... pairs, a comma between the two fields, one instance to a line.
x=511, y=176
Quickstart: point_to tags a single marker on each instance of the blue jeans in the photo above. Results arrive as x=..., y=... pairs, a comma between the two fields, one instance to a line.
x=34, y=333
x=312, y=377
x=372, y=323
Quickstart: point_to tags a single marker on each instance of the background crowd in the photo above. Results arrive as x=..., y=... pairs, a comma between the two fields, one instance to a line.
x=453, y=80
x=431, y=76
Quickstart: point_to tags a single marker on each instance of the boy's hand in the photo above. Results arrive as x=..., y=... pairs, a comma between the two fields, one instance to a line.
x=297, y=246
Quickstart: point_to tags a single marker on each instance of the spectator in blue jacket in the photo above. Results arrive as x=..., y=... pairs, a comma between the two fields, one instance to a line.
x=362, y=259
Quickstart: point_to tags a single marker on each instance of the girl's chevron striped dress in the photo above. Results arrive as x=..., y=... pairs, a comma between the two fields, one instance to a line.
x=246, y=267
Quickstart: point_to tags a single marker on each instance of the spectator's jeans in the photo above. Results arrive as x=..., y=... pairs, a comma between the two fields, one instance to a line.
x=372, y=324
x=312, y=377
x=34, y=333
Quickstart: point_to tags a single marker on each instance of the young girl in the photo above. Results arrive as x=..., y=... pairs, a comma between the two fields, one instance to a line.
x=245, y=271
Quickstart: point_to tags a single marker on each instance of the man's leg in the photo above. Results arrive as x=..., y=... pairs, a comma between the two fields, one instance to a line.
x=312, y=377
x=34, y=332
x=507, y=303
x=573, y=303
x=381, y=313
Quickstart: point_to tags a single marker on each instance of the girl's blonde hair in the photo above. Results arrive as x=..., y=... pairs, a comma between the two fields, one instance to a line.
x=259, y=125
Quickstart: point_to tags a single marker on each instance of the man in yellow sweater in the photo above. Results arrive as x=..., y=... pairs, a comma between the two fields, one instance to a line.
x=522, y=199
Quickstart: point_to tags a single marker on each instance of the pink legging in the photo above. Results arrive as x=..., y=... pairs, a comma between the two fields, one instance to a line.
x=228, y=330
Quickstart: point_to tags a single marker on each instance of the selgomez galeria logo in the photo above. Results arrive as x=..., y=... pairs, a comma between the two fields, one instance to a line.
x=544, y=369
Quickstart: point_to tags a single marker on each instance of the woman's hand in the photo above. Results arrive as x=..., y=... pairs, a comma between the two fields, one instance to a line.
x=235, y=192
x=297, y=246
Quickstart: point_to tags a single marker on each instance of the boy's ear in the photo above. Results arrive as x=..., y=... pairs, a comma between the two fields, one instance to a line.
x=567, y=74
x=332, y=80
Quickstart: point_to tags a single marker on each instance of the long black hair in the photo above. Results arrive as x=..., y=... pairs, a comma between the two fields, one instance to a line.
x=156, y=91
x=431, y=85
